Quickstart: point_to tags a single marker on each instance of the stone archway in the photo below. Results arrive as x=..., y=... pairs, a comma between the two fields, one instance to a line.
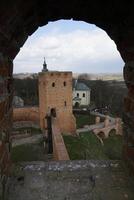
x=77, y=105
x=53, y=112
x=21, y=18
x=101, y=134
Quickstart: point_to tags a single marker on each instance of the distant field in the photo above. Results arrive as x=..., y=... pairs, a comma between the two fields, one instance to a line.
x=117, y=77
x=28, y=152
x=103, y=76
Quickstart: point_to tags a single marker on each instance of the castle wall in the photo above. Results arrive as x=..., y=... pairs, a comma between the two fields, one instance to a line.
x=59, y=148
x=6, y=95
x=26, y=114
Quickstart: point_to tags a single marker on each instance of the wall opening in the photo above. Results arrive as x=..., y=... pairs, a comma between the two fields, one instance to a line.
x=65, y=103
x=53, y=112
x=53, y=84
x=89, y=53
x=119, y=26
x=64, y=83
x=83, y=94
x=77, y=105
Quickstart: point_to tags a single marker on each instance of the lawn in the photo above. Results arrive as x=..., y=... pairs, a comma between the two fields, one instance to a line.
x=28, y=152
x=87, y=146
x=86, y=119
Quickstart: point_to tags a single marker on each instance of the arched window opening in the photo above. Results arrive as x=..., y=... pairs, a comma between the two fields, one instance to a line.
x=77, y=105
x=53, y=84
x=53, y=112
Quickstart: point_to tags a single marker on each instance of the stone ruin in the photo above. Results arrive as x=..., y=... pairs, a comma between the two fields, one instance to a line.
x=109, y=125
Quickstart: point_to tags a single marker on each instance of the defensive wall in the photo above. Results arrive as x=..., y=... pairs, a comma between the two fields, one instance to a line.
x=26, y=114
x=32, y=114
x=59, y=148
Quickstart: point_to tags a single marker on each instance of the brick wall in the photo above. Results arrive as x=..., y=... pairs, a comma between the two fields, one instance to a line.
x=128, y=116
x=59, y=148
x=6, y=95
x=26, y=114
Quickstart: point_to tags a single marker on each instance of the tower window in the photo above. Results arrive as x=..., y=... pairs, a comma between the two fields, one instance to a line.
x=53, y=112
x=64, y=83
x=77, y=94
x=83, y=94
x=65, y=103
x=53, y=84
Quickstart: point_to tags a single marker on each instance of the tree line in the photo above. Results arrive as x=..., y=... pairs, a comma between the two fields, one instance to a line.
x=27, y=89
x=107, y=94
x=103, y=93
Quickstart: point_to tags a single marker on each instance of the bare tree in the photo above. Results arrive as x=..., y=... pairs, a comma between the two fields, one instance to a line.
x=84, y=76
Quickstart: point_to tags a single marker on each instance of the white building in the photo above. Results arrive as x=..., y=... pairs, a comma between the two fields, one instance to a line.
x=81, y=95
x=18, y=102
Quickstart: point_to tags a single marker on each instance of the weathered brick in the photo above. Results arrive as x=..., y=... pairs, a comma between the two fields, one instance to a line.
x=127, y=104
x=55, y=95
x=26, y=114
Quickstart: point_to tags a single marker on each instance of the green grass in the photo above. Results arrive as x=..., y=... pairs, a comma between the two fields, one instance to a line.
x=113, y=147
x=28, y=152
x=82, y=120
x=87, y=146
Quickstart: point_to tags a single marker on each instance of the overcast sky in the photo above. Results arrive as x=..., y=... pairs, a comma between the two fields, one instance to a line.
x=69, y=45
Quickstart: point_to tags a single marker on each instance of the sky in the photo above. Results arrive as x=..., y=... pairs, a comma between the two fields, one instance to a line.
x=69, y=45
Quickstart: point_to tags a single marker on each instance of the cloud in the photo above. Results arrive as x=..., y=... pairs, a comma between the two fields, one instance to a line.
x=78, y=50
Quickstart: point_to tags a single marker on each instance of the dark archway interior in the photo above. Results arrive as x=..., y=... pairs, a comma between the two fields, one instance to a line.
x=19, y=19
x=77, y=105
x=53, y=112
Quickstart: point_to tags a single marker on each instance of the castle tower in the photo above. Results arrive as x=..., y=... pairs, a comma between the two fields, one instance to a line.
x=55, y=98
